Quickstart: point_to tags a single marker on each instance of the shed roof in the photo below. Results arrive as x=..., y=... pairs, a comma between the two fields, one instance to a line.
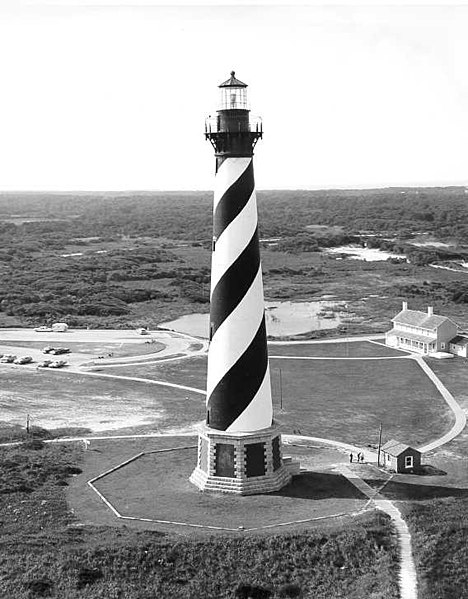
x=395, y=448
x=459, y=340
x=420, y=319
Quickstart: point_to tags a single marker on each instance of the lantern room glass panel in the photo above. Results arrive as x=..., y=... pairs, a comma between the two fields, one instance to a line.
x=233, y=98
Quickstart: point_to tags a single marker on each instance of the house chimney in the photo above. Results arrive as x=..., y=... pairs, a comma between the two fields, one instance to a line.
x=405, y=305
x=430, y=310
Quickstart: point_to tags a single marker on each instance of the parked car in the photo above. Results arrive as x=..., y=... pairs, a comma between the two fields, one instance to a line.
x=23, y=360
x=7, y=358
x=57, y=364
x=60, y=350
x=48, y=349
x=44, y=364
x=43, y=329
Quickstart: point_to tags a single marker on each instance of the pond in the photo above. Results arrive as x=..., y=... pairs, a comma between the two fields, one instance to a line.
x=282, y=318
x=360, y=253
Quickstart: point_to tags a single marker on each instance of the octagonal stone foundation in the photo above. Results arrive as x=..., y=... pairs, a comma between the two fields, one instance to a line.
x=242, y=463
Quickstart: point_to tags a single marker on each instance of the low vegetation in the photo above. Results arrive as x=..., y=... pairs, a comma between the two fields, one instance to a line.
x=440, y=544
x=44, y=553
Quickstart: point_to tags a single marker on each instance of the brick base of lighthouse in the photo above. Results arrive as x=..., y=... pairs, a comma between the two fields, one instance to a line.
x=242, y=463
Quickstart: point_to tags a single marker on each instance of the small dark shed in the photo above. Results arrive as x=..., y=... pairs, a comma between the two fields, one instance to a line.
x=400, y=457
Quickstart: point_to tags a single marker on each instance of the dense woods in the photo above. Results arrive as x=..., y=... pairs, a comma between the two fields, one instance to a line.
x=182, y=215
x=141, y=233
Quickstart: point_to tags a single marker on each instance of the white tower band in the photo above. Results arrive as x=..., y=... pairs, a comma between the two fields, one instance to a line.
x=239, y=449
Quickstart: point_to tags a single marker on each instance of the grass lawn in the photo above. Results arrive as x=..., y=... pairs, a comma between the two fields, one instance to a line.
x=189, y=371
x=338, y=399
x=346, y=400
x=354, y=349
x=46, y=552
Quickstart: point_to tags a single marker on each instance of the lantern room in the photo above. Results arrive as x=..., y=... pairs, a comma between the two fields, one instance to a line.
x=233, y=94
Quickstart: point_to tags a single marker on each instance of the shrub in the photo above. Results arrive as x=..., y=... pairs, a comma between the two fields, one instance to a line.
x=34, y=444
x=40, y=587
x=249, y=591
x=290, y=590
x=87, y=576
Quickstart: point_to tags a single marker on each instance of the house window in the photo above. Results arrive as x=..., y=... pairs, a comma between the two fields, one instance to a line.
x=408, y=461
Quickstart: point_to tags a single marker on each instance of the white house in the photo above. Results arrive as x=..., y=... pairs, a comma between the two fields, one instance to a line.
x=421, y=332
x=459, y=346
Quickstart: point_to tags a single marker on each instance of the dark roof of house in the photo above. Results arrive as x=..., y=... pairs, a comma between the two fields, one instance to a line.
x=459, y=340
x=233, y=82
x=420, y=319
x=395, y=448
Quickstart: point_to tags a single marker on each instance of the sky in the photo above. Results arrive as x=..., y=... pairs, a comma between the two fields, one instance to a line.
x=112, y=95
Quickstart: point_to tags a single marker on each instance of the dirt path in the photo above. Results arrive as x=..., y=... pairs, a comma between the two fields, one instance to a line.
x=407, y=575
x=142, y=380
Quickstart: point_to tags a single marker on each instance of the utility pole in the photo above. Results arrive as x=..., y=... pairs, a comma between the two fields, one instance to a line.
x=281, y=389
x=27, y=423
x=380, y=444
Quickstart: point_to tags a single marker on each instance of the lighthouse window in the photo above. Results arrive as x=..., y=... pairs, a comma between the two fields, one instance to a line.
x=233, y=98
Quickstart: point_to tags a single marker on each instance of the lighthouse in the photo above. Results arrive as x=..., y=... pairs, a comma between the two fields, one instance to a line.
x=239, y=448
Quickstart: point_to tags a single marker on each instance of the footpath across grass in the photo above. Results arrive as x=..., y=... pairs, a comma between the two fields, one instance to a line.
x=44, y=552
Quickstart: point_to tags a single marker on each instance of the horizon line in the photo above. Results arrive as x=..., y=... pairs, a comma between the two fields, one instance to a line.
x=146, y=191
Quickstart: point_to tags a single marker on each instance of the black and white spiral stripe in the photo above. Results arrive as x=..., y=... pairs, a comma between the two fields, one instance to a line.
x=238, y=387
